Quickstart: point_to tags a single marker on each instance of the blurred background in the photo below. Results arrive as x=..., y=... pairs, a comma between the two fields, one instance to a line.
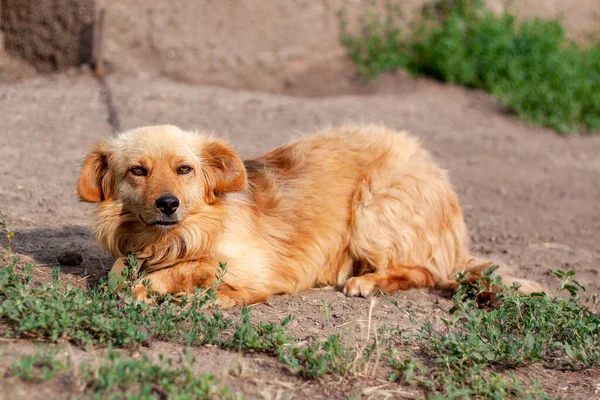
x=278, y=46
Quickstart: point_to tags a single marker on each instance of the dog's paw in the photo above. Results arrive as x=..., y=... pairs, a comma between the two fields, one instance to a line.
x=225, y=302
x=140, y=293
x=359, y=286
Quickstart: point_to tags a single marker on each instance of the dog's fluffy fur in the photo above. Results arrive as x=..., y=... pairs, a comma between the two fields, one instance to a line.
x=363, y=208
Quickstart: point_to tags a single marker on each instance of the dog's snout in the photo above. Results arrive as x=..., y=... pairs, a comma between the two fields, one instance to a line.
x=167, y=204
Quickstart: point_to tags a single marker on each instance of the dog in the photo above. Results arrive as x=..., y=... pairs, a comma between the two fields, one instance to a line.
x=363, y=208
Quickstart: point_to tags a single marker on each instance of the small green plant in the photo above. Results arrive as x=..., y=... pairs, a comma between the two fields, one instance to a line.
x=531, y=66
x=264, y=338
x=467, y=382
x=561, y=331
x=332, y=356
x=338, y=355
x=6, y=229
x=567, y=283
x=326, y=311
x=39, y=367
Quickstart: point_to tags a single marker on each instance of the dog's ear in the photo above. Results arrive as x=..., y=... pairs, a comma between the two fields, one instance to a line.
x=95, y=181
x=223, y=169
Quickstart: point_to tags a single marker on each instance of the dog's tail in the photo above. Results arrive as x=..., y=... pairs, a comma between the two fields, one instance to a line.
x=474, y=271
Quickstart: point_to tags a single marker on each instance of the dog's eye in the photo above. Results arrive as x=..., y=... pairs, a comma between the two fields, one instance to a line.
x=184, y=169
x=139, y=171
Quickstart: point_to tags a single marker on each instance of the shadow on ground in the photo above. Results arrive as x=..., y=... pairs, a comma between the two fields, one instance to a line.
x=45, y=246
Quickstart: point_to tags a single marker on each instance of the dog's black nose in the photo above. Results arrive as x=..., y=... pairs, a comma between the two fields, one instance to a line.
x=167, y=204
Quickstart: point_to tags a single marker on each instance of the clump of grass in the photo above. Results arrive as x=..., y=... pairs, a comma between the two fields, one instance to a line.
x=143, y=378
x=261, y=338
x=475, y=381
x=118, y=377
x=101, y=316
x=332, y=356
x=39, y=367
x=108, y=316
x=530, y=66
x=560, y=332
x=380, y=46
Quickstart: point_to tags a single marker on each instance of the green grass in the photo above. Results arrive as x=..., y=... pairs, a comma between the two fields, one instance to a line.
x=101, y=316
x=332, y=356
x=39, y=367
x=531, y=66
x=261, y=338
x=146, y=379
x=559, y=332
x=118, y=377
x=107, y=316
x=473, y=356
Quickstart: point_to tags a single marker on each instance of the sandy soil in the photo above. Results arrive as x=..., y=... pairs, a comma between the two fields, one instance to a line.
x=527, y=193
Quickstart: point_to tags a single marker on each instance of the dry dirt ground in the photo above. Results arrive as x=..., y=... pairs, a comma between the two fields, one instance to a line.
x=529, y=196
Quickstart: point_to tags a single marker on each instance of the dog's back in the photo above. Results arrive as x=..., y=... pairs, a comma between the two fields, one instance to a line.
x=365, y=202
x=355, y=200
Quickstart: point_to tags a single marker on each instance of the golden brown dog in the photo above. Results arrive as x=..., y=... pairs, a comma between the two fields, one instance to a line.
x=360, y=207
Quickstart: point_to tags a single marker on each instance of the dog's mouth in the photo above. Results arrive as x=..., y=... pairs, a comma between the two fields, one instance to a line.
x=165, y=224
x=160, y=223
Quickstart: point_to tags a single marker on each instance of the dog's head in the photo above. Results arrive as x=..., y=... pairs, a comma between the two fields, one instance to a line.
x=161, y=174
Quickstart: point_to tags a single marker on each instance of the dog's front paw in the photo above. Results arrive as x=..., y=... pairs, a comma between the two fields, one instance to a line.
x=140, y=293
x=359, y=286
x=149, y=285
x=225, y=302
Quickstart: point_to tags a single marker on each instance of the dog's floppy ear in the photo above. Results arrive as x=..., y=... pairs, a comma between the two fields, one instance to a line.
x=95, y=181
x=223, y=169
